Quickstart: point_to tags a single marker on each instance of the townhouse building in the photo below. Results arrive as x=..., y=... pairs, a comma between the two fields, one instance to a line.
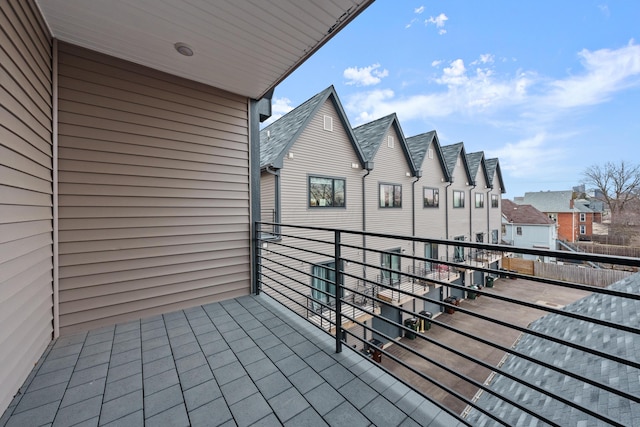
x=318, y=171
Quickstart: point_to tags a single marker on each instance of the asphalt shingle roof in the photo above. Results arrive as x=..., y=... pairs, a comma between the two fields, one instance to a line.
x=622, y=344
x=549, y=201
x=493, y=169
x=370, y=135
x=276, y=137
x=523, y=214
x=418, y=146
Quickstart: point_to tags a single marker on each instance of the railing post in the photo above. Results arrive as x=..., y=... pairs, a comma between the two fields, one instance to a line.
x=339, y=290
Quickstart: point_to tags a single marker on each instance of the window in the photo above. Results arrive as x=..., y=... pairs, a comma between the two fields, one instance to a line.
x=390, y=196
x=326, y=192
x=553, y=217
x=519, y=231
x=479, y=237
x=328, y=123
x=323, y=282
x=479, y=200
x=583, y=217
x=430, y=252
x=583, y=229
x=495, y=201
x=458, y=199
x=494, y=237
x=390, y=141
x=392, y=262
x=431, y=197
x=504, y=229
x=458, y=251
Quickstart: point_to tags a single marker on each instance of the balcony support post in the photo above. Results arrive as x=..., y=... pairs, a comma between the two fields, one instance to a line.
x=339, y=290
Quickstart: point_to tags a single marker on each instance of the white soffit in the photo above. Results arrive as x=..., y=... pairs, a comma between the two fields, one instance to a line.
x=243, y=46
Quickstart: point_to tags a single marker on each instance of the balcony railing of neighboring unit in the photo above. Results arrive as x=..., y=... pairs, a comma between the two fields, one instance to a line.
x=560, y=364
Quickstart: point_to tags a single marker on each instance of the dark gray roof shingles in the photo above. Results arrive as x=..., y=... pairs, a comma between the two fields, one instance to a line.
x=370, y=135
x=418, y=146
x=623, y=344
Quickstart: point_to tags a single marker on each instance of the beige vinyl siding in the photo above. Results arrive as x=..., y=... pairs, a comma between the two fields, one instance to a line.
x=318, y=152
x=459, y=217
x=267, y=196
x=430, y=222
x=26, y=263
x=495, y=214
x=390, y=167
x=479, y=215
x=153, y=191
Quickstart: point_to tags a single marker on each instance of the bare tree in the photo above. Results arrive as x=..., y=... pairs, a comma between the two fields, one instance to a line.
x=618, y=183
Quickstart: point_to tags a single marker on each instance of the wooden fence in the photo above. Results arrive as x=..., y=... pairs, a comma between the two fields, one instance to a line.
x=569, y=273
x=628, y=251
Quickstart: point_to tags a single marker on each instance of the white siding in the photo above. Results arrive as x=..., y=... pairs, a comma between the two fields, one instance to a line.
x=430, y=222
x=26, y=277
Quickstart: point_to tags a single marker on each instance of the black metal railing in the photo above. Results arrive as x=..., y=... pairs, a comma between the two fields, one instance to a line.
x=373, y=313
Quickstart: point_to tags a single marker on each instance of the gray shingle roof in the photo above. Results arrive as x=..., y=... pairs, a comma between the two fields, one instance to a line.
x=549, y=201
x=418, y=145
x=279, y=136
x=370, y=137
x=626, y=345
x=450, y=154
x=493, y=169
x=523, y=214
x=474, y=160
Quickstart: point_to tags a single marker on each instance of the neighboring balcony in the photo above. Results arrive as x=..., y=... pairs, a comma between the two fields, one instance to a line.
x=514, y=349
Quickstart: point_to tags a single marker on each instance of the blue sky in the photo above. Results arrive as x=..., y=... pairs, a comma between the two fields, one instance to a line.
x=548, y=87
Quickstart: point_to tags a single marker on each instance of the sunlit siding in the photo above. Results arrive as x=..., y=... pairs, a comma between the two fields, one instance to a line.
x=322, y=153
x=390, y=167
x=26, y=278
x=479, y=219
x=495, y=214
x=430, y=222
x=154, y=192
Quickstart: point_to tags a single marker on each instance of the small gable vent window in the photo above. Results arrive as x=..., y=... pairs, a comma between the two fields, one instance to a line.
x=328, y=123
x=390, y=141
x=430, y=153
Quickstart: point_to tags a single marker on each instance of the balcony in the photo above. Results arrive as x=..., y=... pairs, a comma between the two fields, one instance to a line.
x=515, y=349
x=527, y=350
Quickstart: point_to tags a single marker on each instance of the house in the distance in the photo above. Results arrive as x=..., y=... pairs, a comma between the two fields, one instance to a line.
x=574, y=217
x=526, y=227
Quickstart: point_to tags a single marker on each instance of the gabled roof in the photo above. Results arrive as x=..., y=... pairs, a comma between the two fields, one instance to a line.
x=549, y=201
x=418, y=145
x=524, y=214
x=370, y=137
x=277, y=138
x=493, y=169
x=622, y=344
x=476, y=160
x=450, y=154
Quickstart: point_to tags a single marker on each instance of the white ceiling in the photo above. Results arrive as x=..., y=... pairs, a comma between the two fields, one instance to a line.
x=243, y=46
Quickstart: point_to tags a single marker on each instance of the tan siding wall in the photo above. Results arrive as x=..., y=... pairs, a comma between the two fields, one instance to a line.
x=479, y=215
x=318, y=152
x=267, y=195
x=390, y=166
x=495, y=214
x=26, y=279
x=154, y=191
x=430, y=222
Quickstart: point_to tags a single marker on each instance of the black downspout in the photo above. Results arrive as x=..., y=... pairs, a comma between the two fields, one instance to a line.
x=413, y=216
x=364, y=226
x=446, y=214
x=472, y=203
x=489, y=216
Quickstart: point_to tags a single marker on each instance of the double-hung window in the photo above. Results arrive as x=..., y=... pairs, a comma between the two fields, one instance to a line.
x=326, y=192
x=494, y=236
x=458, y=199
x=479, y=200
x=495, y=201
x=323, y=282
x=583, y=217
x=390, y=196
x=431, y=197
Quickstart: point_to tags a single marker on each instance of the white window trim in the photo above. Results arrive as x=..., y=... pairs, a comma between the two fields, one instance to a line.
x=328, y=123
x=390, y=141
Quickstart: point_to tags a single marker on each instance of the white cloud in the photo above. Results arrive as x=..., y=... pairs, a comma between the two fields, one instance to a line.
x=438, y=21
x=279, y=107
x=436, y=63
x=606, y=72
x=419, y=10
x=365, y=76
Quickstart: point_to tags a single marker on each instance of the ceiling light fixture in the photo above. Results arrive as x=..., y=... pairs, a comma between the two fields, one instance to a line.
x=183, y=49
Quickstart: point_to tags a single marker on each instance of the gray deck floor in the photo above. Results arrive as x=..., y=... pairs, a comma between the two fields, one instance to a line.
x=247, y=362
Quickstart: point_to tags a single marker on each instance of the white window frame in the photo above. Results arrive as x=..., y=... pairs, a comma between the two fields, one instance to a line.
x=328, y=123
x=390, y=141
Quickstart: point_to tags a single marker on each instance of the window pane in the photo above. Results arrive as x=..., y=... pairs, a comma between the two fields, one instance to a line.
x=320, y=191
x=431, y=198
x=397, y=196
x=338, y=196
